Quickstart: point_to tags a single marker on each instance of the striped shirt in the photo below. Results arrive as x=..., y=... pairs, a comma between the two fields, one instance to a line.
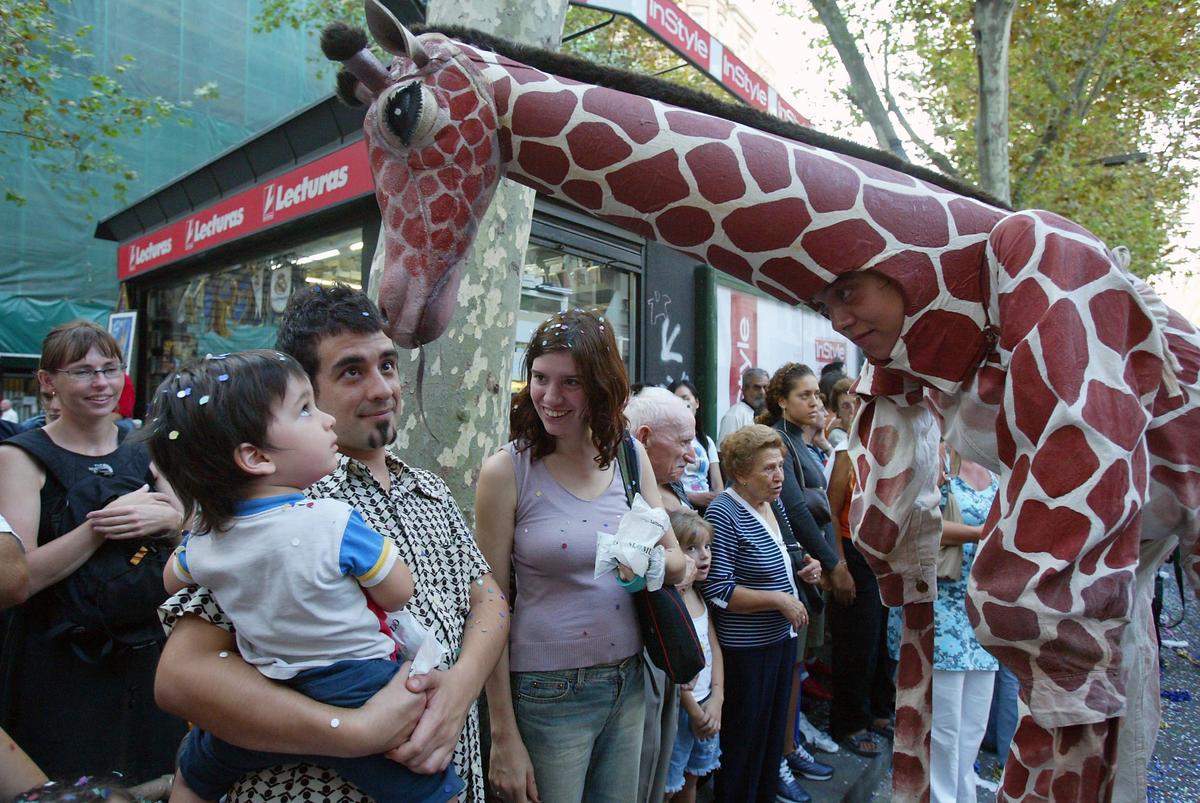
x=745, y=553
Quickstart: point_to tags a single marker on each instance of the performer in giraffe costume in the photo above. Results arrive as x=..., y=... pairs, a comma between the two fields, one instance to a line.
x=1019, y=335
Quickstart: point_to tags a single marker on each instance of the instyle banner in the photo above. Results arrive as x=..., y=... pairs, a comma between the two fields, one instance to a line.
x=743, y=328
x=332, y=179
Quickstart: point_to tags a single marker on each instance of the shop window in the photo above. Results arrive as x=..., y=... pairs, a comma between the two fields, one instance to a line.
x=238, y=307
x=555, y=279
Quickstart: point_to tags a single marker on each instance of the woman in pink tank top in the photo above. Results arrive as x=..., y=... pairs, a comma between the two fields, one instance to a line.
x=566, y=700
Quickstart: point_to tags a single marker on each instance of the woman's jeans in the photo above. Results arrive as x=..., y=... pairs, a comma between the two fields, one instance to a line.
x=583, y=730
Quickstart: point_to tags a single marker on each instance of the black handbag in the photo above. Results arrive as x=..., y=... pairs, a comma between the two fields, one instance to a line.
x=667, y=631
x=812, y=597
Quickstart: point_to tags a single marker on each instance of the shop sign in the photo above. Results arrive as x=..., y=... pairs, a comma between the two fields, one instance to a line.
x=828, y=350
x=340, y=176
x=676, y=28
x=743, y=326
x=745, y=82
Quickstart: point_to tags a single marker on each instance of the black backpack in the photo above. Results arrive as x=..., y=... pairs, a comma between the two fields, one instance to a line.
x=109, y=604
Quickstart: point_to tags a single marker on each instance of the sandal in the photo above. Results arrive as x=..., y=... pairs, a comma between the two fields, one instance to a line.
x=863, y=744
x=884, y=728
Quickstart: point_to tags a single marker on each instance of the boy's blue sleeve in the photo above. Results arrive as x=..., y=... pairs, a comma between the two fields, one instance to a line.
x=365, y=554
x=181, y=566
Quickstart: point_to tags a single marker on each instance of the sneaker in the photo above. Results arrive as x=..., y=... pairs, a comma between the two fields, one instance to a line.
x=815, y=738
x=789, y=791
x=805, y=766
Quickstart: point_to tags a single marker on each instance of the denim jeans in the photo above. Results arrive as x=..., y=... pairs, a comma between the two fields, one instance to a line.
x=1002, y=723
x=210, y=766
x=583, y=730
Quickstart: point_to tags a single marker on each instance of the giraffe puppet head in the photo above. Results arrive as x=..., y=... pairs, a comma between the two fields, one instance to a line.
x=430, y=130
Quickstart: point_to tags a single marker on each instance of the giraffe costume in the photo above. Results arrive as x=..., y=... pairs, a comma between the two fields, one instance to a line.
x=1025, y=340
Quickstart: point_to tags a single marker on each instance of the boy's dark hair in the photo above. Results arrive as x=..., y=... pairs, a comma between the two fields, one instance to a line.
x=201, y=415
x=323, y=311
x=589, y=339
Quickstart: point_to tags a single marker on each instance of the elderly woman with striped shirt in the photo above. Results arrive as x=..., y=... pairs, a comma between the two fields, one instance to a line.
x=758, y=611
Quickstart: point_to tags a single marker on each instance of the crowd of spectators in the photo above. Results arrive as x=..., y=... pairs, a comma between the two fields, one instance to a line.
x=759, y=545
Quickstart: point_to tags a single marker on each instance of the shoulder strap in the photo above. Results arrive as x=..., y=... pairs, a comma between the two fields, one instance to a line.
x=785, y=528
x=627, y=464
x=37, y=444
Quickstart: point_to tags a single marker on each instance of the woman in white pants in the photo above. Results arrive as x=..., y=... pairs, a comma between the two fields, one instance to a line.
x=963, y=672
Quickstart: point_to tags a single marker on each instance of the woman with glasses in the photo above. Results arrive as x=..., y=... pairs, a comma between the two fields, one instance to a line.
x=97, y=524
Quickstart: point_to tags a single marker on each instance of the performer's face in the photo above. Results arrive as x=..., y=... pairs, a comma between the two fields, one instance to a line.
x=358, y=382
x=868, y=309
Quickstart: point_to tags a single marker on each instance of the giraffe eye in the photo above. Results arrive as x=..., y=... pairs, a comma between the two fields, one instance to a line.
x=409, y=114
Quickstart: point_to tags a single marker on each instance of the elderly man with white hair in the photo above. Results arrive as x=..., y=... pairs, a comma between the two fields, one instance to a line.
x=665, y=426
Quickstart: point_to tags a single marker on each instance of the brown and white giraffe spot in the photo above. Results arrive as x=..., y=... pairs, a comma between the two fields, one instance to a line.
x=685, y=226
x=882, y=444
x=828, y=185
x=717, y=172
x=1110, y=598
x=1016, y=479
x=916, y=277
x=1107, y=500
x=1054, y=590
x=1020, y=310
x=650, y=184
x=845, y=246
x=878, y=172
x=944, y=343
x=1073, y=643
x=1069, y=266
x=547, y=163
x=990, y=385
x=767, y=160
x=1187, y=352
x=1013, y=241
x=963, y=272
x=767, y=226
x=1059, y=531
x=587, y=194
x=461, y=106
x=1064, y=342
x=792, y=274
x=1184, y=484
x=728, y=262
x=972, y=217
x=1114, y=414
x=1001, y=574
x=917, y=220
x=1006, y=446
x=595, y=146
x=635, y=115
x=1143, y=373
x=1015, y=779
x=878, y=531
x=1010, y=623
x=698, y=125
x=1064, y=462
x=888, y=489
x=1036, y=743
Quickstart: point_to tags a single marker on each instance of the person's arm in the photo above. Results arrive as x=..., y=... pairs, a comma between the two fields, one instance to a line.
x=18, y=773
x=14, y=575
x=680, y=569
x=510, y=771
x=716, y=699
x=954, y=533
x=142, y=513
x=452, y=692
x=201, y=678
x=715, y=483
x=21, y=480
x=172, y=581
x=841, y=582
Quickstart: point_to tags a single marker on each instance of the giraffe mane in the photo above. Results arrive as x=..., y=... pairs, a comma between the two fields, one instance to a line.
x=578, y=69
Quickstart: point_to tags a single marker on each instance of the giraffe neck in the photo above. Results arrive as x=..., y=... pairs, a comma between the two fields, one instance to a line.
x=784, y=216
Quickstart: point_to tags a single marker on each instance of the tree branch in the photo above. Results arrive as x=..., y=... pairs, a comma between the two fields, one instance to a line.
x=941, y=160
x=1072, y=104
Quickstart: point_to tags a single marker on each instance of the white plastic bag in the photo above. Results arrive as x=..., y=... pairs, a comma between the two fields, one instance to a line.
x=635, y=544
x=416, y=645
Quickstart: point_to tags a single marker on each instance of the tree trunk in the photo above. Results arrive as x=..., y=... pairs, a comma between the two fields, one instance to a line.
x=465, y=388
x=993, y=22
x=862, y=88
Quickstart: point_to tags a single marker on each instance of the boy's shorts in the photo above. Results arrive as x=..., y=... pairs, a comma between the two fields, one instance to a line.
x=693, y=756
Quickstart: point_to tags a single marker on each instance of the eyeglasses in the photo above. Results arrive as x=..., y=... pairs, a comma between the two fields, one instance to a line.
x=84, y=373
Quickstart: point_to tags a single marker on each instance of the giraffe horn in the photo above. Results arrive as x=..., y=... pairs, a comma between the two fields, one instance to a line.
x=391, y=35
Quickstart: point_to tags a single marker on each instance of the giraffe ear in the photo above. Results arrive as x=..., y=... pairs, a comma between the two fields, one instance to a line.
x=391, y=35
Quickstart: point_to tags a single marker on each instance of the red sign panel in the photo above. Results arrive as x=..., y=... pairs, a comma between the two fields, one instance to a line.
x=745, y=82
x=743, y=340
x=678, y=29
x=829, y=350
x=788, y=112
x=340, y=176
